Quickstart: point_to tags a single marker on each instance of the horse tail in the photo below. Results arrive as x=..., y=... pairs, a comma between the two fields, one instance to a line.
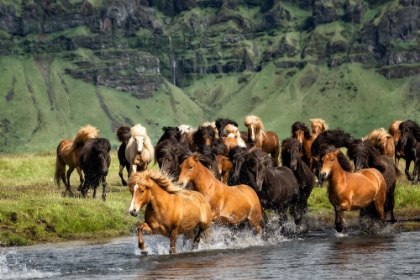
x=59, y=170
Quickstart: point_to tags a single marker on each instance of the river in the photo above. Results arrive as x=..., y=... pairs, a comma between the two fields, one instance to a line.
x=318, y=255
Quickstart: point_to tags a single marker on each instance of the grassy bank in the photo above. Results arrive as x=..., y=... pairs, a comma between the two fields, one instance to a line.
x=34, y=210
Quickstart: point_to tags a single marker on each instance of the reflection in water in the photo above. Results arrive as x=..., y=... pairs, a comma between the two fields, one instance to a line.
x=317, y=256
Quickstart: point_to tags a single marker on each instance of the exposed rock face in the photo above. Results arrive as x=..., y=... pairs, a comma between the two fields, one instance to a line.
x=136, y=47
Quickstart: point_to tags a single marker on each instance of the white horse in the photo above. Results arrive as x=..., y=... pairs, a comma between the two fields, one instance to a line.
x=139, y=151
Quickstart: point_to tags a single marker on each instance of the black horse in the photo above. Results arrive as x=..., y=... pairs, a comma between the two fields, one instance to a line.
x=365, y=155
x=123, y=134
x=94, y=159
x=169, y=155
x=337, y=138
x=203, y=136
x=290, y=148
x=170, y=132
x=276, y=187
x=410, y=139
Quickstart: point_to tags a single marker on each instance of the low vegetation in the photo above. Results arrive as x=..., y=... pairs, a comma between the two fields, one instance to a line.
x=34, y=210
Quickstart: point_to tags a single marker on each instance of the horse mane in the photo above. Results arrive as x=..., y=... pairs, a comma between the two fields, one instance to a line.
x=286, y=145
x=262, y=157
x=233, y=131
x=170, y=132
x=84, y=133
x=213, y=125
x=165, y=182
x=375, y=159
x=206, y=156
x=221, y=124
x=413, y=126
x=219, y=147
x=319, y=122
x=337, y=138
x=378, y=137
x=344, y=162
x=301, y=126
x=259, y=127
x=123, y=133
x=394, y=126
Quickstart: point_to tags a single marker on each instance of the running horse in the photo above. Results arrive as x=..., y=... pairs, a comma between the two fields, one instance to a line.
x=352, y=191
x=395, y=132
x=139, y=151
x=230, y=205
x=410, y=139
x=267, y=141
x=170, y=211
x=123, y=134
x=383, y=141
x=68, y=155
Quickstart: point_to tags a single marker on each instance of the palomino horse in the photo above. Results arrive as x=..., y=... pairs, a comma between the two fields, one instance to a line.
x=383, y=141
x=395, y=132
x=139, y=151
x=267, y=141
x=68, y=154
x=233, y=137
x=365, y=155
x=352, y=191
x=170, y=210
x=410, y=139
x=291, y=158
x=95, y=160
x=318, y=126
x=230, y=206
x=123, y=134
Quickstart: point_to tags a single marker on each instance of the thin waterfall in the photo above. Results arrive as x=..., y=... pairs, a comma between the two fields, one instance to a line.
x=172, y=60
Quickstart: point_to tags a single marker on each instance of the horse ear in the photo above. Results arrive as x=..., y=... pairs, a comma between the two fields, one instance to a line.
x=336, y=152
x=196, y=157
x=163, y=128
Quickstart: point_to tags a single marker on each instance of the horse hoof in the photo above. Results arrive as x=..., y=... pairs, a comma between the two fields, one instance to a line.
x=144, y=253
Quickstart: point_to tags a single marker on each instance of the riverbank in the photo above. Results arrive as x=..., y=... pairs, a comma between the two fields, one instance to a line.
x=34, y=210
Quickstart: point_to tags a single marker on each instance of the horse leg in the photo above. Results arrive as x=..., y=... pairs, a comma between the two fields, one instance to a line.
x=339, y=220
x=407, y=168
x=140, y=228
x=173, y=235
x=282, y=212
x=81, y=179
x=104, y=188
x=197, y=237
x=67, y=180
x=120, y=173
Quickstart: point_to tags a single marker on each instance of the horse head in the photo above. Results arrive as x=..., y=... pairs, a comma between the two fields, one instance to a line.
x=405, y=132
x=290, y=152
x=329, y=159
x=188, y=170
x=237, y=156
x=140, y=191
x=358, y=151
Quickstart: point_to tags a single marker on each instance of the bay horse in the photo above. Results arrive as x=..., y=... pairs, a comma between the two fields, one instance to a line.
x=337, y=138
x=267, y=141
x=139, y=151
x=352, y=191
x=276, y=187
x=94, y=159
x=123, y=134
x=365, y=155
x=230, y=205
x=395, y=132
x=410, y=139
x=170, y=211
x=383, y=141
x=291, y=158
x=68, y=155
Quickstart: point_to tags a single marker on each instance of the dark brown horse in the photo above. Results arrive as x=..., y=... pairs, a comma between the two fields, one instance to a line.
x=352, y=191
x=170, y=132
x=267, y=141
x=203, y=136
x=300, y=131
x=95, y=160
x=410, y=139
x=123, y=135
x=365, y=155
x=394, y=131
x=291, y=158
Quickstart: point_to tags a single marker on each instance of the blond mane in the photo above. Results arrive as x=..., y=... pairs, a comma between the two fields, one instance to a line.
x=378, y=137
x=394, y=127
x=319, y=123
x=165, y=182
x=258, y=126
x=233, y=131
x=84, y=133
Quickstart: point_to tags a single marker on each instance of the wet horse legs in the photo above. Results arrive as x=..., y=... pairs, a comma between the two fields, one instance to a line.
x=140, y=228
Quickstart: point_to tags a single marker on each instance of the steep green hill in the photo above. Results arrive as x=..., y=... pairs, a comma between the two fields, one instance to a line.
x=65, y=64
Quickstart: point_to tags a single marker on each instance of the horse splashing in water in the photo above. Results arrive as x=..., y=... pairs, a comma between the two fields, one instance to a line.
x=68, y=155
x=139, y=151
x=365, y=155
x=95, y=160
x=123, y=134
x=267, y=141
x=170, y=210
x=231, y=206
x=291, y=158
x=410, y=139
x=352, y=191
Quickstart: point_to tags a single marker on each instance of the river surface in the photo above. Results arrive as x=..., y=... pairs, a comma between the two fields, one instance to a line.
x=318, y=255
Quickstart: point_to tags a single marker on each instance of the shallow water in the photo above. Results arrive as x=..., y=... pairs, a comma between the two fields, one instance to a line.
x=319, y=255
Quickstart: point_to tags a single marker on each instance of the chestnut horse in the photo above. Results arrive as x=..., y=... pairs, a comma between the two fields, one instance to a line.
x=170, y=210
x=352, y=191
x=267, y=141
x=395, y=132
x=68, y=154
x=123, y=134
x=230, y=205
x=383, y=141
x=139, y=151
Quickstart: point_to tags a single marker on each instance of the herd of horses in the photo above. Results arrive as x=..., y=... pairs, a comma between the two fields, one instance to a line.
x=218, y=174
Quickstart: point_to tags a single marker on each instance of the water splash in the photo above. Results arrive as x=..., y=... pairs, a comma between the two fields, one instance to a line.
x=11, y=267
x=172, y=60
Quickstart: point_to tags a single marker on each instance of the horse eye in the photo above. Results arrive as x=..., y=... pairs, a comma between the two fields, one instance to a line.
x=190, y=168
x=142, y=191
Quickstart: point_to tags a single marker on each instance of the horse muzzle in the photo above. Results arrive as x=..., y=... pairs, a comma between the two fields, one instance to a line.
x=323, y=175
x=134, y=213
